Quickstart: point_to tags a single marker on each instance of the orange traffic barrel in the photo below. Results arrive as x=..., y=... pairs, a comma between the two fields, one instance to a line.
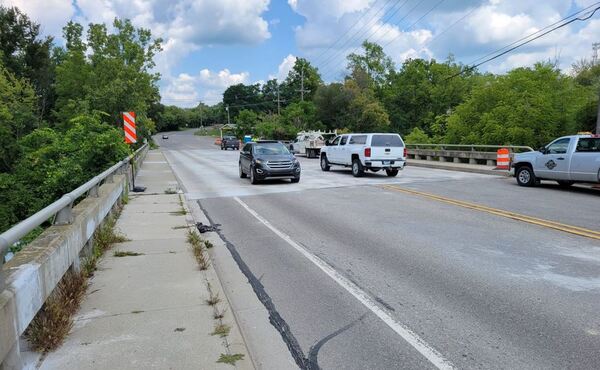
x=503, y=159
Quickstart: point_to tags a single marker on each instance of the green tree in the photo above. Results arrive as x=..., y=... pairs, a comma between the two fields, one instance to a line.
x=246, y=121
x=26, y=54
x=17, y=116
x=241, y=97
x=332, y=104
x=302, y=71
x=115, y=77
x=527, y=106
x=423, y=90
x=373, y=64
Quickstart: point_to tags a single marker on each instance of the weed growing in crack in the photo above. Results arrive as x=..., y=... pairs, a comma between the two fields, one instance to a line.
x=198, y=249
x=221, y=330
x=208, y=244
x=53, y=322
x=230, y=359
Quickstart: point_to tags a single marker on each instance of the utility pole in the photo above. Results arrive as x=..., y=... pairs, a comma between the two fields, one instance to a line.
x=302, y=91
x=279, y=101
x=227, y=109
x=595, y=48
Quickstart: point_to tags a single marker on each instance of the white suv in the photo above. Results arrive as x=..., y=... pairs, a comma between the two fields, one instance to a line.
x=365, y=152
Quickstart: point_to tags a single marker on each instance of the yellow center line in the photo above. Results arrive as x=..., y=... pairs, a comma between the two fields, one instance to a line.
x=499, y=212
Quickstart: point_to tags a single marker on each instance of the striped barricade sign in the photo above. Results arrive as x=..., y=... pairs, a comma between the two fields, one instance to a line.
x=503, y=159
x=129, y=127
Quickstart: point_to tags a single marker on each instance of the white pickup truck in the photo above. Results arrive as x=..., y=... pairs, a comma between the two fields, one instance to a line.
x=566, y=160
x=362, y=152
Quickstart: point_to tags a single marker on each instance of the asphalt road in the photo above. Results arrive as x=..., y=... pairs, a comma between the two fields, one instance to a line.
x=366, y=277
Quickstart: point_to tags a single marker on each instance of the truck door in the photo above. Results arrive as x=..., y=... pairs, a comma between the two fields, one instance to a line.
x=585, y=161
x=332, y=150
x=343, y=154
x=554, y=163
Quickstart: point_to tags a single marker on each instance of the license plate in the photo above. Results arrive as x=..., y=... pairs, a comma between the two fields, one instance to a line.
x=386, y=163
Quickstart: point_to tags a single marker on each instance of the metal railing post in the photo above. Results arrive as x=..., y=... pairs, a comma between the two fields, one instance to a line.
x=65, y=215
x=94, y=191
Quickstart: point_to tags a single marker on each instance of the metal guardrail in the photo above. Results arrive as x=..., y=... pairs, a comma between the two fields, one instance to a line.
x=61, y=210
x=471, y=147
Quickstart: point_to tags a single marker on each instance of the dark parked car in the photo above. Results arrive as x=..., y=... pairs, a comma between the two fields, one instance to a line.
x=266, y=160
x=165, y=137
x=230, y=142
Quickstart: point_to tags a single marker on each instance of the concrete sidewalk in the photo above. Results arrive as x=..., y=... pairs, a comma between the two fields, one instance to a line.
x=150, y=311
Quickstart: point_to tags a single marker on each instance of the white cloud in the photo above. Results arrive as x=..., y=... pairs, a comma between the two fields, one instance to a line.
x=52, y=15
x=284, y=68
x=207, y=86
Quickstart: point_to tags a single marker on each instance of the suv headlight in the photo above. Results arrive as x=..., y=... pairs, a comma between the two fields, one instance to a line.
x=258, y=161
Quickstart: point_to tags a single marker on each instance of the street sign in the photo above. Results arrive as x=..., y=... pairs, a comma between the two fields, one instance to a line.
x=129, y=127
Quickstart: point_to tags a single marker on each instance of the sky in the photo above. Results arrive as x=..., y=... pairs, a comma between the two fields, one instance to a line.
x=212, y=44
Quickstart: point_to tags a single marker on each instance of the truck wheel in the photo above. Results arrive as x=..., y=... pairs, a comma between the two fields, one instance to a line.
x=242, y=174
x=565, y=183
x=253, y=179
x=525, y=176
x=357, y=168
x=392, y=172
x=324, y=163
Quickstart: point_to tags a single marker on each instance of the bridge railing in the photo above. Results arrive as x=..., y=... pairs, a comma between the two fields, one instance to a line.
x=461, y=153
x=32, y=274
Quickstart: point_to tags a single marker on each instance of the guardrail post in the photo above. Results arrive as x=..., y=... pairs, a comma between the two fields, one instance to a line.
x=93, y=192
x=109, y=179
x=65, y=215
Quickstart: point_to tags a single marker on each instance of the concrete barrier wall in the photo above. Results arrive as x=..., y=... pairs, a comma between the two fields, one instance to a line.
x=457, y=156
x=34, y=272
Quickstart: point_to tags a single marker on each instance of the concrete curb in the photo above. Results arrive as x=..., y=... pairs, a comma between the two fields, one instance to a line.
x=439, y=166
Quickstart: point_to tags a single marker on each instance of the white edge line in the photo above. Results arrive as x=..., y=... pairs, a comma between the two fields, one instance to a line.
x=430, y=353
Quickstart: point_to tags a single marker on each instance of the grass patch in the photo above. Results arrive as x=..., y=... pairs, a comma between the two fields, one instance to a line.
x=221, y=330
x=153, y=144
x=170, y=191
x=53, y=322
x=208, y=244
x=126, y=254
x=136, y=311
x=180, y=227
x=181, y=212
x=104, y=238
x=197, y=246
x=208, y=132
x=230, y=359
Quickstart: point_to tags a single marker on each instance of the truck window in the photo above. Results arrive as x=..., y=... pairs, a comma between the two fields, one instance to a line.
x=386, y=140
x=358, y=139
x=586, y=145
x=344, y=140
x=336, y=141
x=559, y=146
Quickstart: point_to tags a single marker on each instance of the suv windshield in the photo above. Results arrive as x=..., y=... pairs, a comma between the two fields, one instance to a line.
x=229, y=137
x=270, y=149
x=386, y=140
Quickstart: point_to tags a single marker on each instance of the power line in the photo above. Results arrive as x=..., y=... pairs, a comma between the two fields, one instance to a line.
x=412, y=25
x=384, y=21
x=536, y=32
x=474, y=66
x=348, y=30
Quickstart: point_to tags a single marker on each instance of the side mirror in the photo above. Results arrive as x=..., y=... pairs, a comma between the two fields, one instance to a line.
x=542, y=150
x=327, y=143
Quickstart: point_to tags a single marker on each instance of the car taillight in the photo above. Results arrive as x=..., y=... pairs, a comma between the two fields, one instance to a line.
x=405, y=152
x=367, y=152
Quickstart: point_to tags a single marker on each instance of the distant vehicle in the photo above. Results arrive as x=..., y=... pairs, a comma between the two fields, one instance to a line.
x=362, y=152
x=266, y=160
x=310, y=143
x=165, y=137
x=567, y=160
x=230, y=142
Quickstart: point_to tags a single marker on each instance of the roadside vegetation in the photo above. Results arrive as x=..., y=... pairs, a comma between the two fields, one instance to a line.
x=426, y=101
x=60, y=106
x=52, y=323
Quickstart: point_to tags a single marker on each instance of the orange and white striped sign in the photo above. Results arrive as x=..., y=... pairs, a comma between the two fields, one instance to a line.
x=129, y=127
x=503, y=159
